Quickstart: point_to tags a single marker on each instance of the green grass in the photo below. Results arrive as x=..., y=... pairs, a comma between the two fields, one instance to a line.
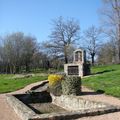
x=8, y=83
x=106, y=78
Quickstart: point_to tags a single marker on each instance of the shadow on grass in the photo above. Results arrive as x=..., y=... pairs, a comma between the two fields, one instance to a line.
x=93, y=93
x=104, y=71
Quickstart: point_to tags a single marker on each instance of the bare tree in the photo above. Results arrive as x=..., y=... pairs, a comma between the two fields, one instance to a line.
x=64, y=35
x=29, y=49
x=92, y=41
x=17, y=51
x=12, y=51
x=111, y=21
x=106, y=53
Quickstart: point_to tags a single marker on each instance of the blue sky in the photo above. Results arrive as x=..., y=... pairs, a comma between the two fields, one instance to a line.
x=34, y=16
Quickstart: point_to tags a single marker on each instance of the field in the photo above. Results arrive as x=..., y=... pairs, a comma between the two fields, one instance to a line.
x=105, y=78
x=9, y=83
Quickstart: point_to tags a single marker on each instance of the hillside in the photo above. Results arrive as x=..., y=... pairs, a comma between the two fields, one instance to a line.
x=105, y=78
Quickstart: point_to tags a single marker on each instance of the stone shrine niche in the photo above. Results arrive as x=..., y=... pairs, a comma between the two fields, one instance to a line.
x=76, y=56
x=79, y=56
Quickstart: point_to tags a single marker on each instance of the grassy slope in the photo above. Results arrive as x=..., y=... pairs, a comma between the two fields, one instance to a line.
x=105, y=78
x=9, y=84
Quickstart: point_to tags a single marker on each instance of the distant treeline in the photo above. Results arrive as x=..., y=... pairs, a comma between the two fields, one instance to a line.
x=21, y=53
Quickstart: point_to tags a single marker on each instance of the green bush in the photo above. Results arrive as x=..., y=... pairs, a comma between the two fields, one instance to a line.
x=71, y=85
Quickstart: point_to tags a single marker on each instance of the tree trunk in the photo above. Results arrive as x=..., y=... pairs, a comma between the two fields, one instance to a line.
x=27, y=67
x=119, y=43
x=17, y=69
x=92, y=58
x=65, y=54
x=66, y=59
x=11, y=69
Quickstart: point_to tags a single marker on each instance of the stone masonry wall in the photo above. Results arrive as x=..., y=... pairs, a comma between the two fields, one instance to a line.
x=74, y=103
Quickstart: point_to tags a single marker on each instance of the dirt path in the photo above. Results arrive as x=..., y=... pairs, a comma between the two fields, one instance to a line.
x=101, y=98
x=7, y=113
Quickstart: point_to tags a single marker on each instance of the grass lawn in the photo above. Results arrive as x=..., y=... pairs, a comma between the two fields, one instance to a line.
x=106, y=78
x=9, y=83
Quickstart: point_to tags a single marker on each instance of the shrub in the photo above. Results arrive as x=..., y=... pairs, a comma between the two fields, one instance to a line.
x=55, y=84
x=71, y=85
x=54, y=78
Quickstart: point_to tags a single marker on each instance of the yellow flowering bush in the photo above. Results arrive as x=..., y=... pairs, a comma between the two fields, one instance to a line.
x=54, y=78
x=55, y=84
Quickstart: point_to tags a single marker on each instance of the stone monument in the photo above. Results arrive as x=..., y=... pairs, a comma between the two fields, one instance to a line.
x=79, y=66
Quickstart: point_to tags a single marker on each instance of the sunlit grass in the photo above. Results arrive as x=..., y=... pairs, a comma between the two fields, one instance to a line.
x=8, y=83
x=105, y=78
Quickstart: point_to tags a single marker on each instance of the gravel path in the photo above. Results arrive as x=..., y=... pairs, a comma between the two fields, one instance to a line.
x=101, y=98
x=7, y=113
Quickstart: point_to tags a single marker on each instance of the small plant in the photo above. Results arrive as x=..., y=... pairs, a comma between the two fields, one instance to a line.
x=54, y=78
x=71, y=85
x=55, y=84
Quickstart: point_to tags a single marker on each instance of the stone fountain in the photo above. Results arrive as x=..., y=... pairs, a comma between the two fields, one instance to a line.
x=79, y=67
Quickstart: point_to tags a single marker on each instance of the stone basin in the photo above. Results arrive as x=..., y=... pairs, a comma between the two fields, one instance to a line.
x=41, y=105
